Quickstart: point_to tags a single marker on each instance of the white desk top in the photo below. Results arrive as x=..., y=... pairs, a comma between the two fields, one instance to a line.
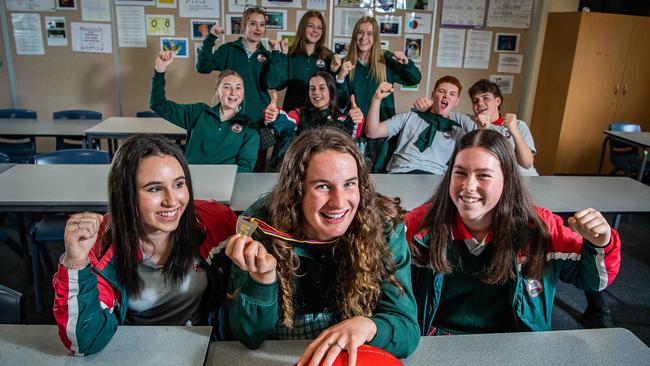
x=639, y=138
x=126, y=126
x=614, y=346
x=136, y=345
x=75, y=187
x=557, y=193
x=5, y=166
x=45, y=127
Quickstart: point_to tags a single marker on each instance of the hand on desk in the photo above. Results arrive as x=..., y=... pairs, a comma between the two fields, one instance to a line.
x=80, y=235
x=591, y=225
x=346, y=335
x=251, y=256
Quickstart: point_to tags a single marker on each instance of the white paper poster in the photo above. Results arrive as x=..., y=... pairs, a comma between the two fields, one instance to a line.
x=417, y=23
x=130, y=26
x=160, y=25
x=451, y=43
x=346, y=18
x=510, y=63
x=317, y=4
x=199, y=8
x=282, y=3
x=28, y=35
x=463, y=13
x=477, y=49
x=136, y=2
x=91, y=37
x=239, y=5
x=95, y=10
x=510, y=13
x=30, y=5
x=504, y=82
x=55, y=30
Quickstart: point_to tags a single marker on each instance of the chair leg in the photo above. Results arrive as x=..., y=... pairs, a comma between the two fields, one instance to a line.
x=36, y=274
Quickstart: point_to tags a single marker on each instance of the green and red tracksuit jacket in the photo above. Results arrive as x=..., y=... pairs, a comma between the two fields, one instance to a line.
x=90, y=303
x=568, y=258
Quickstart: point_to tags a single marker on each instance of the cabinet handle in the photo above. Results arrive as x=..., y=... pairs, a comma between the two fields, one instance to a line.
x=616, y=90
x=624, y=88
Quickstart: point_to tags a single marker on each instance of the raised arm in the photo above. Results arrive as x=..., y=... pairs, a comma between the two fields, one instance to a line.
x=404, y=70
x=208, y=61
x=374, y=127
x=524, y=155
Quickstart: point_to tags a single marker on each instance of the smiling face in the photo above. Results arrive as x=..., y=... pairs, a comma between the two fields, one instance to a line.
x=162, y=194
x=255, y=27
x=486, y=103
x=314, y=30
x=365, y=38
x=231, y=92
x=319, y=95
x=476, y=187
x=445, y=99
x=330, y=195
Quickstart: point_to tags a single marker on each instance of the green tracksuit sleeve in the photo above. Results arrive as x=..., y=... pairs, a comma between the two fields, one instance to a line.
x=400, y=73
x=253, y=308
x=209, y=61
x=182, y=115
x=248, y=153
x=397, y=328
x=277, y=75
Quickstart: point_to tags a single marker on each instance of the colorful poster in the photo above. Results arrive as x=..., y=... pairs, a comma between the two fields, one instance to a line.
x=178, y=45
x=160, y=25
x=171, y=4
x=200, y=28
x=418, y=23
x=66, y=4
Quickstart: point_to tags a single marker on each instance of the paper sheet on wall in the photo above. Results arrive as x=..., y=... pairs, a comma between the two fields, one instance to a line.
x=417, y=23
x=199, y=8
x=28, y=35
x=477, y=49
x=235, y=6
x=317, y=4
x=504, y=82
x=95, y=11
x=91, y=37
x=451, y=43
x=510, y=13
x=510, y=62
x=463, y=13
x=30, y=5
x=130, y=26
x=55, y=30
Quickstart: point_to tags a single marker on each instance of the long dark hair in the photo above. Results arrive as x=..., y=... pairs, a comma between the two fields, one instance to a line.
x=126, y=231
x=517, y=227
x=309, y=113
x=299, y=47
x=364, y=259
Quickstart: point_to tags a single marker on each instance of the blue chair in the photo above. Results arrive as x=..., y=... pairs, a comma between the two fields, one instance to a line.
x=52, y=226
x=624, y=157
x=73, y=142
x=147, y=114
x=4, y=158
x=20, y=150
x=11, y=306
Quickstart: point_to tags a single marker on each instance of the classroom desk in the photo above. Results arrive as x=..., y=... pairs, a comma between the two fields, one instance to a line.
x=635, y=139
x=557, y=193
x=122, y=127
x=66, y=188
x=131, y=345
x=614, y=346
x=5, y=166
x=18, y=127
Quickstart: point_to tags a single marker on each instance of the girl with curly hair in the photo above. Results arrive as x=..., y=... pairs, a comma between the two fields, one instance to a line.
x=328, y=260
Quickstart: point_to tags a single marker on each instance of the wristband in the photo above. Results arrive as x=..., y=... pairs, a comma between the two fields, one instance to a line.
x=73, y=267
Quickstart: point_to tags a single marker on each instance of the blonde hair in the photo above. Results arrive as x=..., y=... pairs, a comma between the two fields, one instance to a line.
x=376, y=59
x=247, y=14
x=225, y=73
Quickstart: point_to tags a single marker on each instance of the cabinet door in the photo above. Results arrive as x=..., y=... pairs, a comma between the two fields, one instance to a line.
x=634, y=99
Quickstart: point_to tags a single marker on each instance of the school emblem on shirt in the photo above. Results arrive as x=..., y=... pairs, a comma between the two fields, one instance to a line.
x=261, y=57
x=236, y=128
x=506, y=133
x=534, y=287
x=320, y=63
x=447, y=134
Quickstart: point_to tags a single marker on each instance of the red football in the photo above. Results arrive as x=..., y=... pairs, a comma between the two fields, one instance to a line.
x=368, y=356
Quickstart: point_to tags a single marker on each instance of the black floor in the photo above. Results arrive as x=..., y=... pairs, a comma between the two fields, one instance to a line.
x=628, y=296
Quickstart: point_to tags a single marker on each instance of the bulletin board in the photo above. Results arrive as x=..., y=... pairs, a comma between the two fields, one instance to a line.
x=118, y=83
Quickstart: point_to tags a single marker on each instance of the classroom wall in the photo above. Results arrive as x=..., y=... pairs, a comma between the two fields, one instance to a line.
x=5, y=91
x=63, y=79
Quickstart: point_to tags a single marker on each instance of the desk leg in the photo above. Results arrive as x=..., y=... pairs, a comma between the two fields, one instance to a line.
x=643, y=162
x=22, y=230
x=602, y=155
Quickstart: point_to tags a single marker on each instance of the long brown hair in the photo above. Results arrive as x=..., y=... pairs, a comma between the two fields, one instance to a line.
x=362, y=253
x=299, y=46
x=126, y=231
x=376, y=59
x=517, y=227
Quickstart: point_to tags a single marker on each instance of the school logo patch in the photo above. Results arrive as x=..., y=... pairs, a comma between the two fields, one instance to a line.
x=236, y=128
x=506, y=133
x=320, y=63
x=534, y=287
x=261, y=57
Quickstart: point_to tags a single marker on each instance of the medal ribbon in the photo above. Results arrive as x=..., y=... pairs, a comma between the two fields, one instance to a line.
x=271, y=231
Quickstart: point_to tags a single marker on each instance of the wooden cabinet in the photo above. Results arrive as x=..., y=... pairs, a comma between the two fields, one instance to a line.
x=595, y=70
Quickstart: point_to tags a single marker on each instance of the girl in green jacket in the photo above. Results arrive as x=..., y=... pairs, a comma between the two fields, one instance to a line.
x=215, y=135
x=329, y=260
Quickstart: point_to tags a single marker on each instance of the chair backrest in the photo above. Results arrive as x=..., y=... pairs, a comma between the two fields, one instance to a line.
x=17, y=113
x=624, y=127
x=147, y=114
x=4, y=158
x=76, y=114
x=73, y=156
x=10, y=306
